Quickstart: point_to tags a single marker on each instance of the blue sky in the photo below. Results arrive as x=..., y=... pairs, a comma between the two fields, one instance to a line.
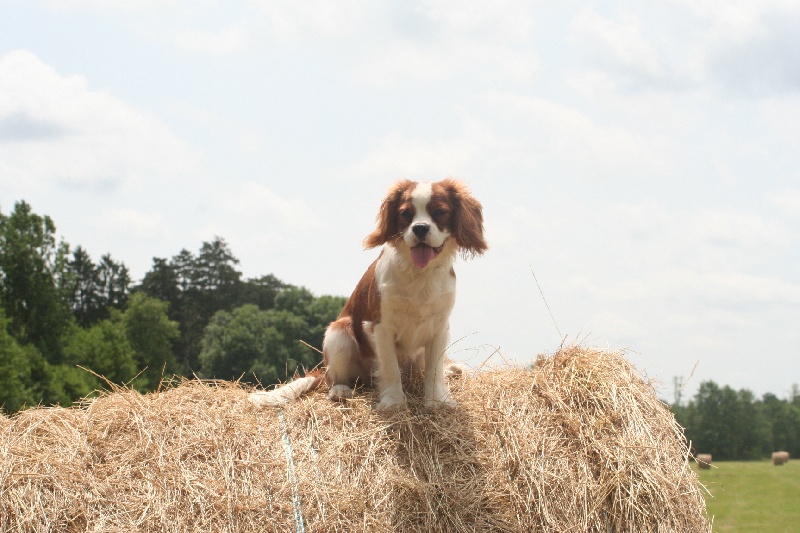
x=640, y=158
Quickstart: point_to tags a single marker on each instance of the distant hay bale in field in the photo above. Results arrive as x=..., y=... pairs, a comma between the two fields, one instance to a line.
x=779, y=458
x=579, y=442
x=703, y=461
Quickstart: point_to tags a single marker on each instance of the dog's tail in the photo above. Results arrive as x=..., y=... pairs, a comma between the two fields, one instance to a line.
x=287, y=392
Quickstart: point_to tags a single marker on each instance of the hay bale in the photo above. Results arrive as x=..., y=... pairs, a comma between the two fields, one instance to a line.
x=779, y=458
x=579, y=442
x=703, y=461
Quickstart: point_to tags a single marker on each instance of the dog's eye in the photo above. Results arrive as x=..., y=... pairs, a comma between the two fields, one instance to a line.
x=439, y=213
x=407, y=215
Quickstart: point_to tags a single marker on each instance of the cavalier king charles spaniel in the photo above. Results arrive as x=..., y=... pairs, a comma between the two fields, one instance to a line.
x=398, y=315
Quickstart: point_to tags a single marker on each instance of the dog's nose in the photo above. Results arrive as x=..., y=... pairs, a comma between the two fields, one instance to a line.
x=420, y=230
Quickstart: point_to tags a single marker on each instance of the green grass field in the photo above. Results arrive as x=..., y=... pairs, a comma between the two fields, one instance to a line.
x=753, y=496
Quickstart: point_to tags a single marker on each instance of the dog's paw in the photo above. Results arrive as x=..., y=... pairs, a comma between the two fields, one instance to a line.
x=391, y=402
x=340, y=392
x=453, y=370
x=446, y=402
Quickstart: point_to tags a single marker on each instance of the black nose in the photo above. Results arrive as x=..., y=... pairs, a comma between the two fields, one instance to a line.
x=420, y=230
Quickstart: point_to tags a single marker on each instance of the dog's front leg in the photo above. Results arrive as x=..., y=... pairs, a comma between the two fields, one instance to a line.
x=436, y=392
x=390, y=385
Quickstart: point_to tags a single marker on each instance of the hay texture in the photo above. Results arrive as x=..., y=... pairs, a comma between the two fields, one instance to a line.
x=703, y=461
x=578, y=443
x=779, y=458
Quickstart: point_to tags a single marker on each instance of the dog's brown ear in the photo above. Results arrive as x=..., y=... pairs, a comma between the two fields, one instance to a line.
x=467, y=225
x=388, y=218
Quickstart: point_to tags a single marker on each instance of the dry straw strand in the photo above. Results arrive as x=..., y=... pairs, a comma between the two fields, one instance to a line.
x=579, y=442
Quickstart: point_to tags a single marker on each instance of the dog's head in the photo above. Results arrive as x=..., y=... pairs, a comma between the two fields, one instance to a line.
x=430, y=219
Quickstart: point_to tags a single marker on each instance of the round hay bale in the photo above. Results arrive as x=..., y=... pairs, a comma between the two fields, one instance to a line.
x=579, y=442
x=703, y=461
x=779, y=458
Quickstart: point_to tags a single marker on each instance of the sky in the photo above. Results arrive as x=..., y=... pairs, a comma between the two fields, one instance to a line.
x=638, y=162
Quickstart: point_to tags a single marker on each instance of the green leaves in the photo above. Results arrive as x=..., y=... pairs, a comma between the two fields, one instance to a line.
x=150, y=333
x=30, y=265
x=61, y=313
x=734, y=425
x=263, y=345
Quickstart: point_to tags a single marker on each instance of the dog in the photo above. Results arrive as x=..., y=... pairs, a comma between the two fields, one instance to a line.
x=398, y=315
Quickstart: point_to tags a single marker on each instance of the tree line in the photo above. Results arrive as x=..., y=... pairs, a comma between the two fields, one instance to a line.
x=736, y=425
x=70, y=326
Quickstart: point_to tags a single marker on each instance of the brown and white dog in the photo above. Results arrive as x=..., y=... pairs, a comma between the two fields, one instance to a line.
x=398, y=314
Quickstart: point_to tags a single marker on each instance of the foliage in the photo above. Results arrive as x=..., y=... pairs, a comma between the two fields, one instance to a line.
x=200, y=286
x=103, y=348
x=69, y=325
x=15, y=371
x=195, y=287
x=265, y=345
x=93, y=290
x=239, y=340
x=31, y=262
x=735, y=425
x=150, y=333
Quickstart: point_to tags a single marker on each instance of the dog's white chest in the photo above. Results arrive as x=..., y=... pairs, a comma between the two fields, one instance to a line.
x=417, y=307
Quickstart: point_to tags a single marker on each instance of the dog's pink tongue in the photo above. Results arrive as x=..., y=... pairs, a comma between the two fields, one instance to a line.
x=421, y=255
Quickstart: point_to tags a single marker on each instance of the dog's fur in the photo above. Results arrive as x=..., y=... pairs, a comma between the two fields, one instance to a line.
x=398, y=314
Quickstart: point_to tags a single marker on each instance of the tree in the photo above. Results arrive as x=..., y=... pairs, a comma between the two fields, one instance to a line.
x=239, y=341
x=81, y=286
x=215, y=275
x=114, y=280
x=296, y=300
x=15, y=372
x=93, y=290
x=749, y=428
x=103, y=349
x=199, y=287
x=196, y=288
x=62, y=384
x=783, y=420
x=322, y=311
x=262, y=291
x=150, y=333
x=161, y=282
x=31, y=264
x=734, y=425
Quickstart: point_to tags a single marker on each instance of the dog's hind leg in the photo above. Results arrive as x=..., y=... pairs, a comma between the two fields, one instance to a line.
x=345, y=366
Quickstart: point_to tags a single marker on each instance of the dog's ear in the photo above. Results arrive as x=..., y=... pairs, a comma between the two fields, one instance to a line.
x=388, y=219
x=467, y=224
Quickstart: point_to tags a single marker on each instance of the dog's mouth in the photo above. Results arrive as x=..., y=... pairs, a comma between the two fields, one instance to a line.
x=422, y=254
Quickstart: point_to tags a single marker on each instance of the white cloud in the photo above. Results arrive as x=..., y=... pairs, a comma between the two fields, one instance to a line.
x=257, y=218
x=86, y=138
x=742, y=47
x=221, y=42
x=618, y=44
x=439, y=41
x=787, y=200
x=398, y=156
x=749, y=46
x=290, y=21
x=126, y=223
x=125, y=5
x=550, y=131
x=743, y=230
x=255, y=202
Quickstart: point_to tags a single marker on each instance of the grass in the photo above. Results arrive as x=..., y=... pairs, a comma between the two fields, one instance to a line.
x=753, y=496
